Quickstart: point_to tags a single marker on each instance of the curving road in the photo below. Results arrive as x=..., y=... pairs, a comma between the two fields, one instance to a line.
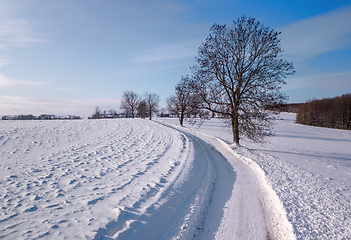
x=235, y=210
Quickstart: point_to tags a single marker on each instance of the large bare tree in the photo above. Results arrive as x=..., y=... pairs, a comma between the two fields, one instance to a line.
x=239, y=73
x=152, y=101
x=130, y=103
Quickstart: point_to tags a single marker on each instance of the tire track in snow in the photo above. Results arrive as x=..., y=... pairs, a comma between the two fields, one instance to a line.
x=253, y=211
x=177, y=211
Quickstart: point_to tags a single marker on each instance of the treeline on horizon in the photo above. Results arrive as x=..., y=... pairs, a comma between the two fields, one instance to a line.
x=133, y=105
x=41, y=117
x=329, y=112
x=102, y=114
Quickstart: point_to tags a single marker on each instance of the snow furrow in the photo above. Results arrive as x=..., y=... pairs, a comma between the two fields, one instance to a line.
x=67, y=179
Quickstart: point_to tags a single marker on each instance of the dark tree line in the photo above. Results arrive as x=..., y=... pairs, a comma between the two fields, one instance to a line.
x=98, y=114
x=329, y=112
x=239, y=73
x=41, y=117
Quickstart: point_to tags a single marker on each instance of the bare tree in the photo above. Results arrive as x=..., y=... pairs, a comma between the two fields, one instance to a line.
x=152, y=100
x=239, y=72
x=184, y=103
x=130, y=103
x=142, y=109
x=113, y=113
x=97, y=113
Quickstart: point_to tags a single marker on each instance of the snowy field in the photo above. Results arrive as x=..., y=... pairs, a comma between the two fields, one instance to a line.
x=139, y=179
x=69, y=179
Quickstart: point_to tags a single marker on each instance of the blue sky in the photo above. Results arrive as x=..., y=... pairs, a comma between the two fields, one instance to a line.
x=68, y=56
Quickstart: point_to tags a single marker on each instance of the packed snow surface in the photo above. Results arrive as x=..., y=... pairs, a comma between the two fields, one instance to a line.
x=140, y=179
x=309, y=169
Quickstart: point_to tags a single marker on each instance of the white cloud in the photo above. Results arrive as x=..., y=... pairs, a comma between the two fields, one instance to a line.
x=4, y=62
x=10, y=82
x=14, y=31
x=12, y=105
x=332, y=82
x=173, y=51
x=314, y=36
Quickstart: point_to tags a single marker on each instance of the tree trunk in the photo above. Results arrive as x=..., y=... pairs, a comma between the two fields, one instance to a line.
x=181, y=119
x=150, y=113
x=235, y=128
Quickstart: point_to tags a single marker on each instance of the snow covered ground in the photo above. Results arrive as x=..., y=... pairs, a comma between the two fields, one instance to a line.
x=310, y=170
x=70, y=179
x=139, y=179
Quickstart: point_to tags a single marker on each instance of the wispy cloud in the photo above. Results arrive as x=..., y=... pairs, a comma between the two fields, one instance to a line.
x=172, y=51
x=332, y=82
x=311, y=37
x=4, y=62
x=15, y=31
x=13, y=105
x=10, y=82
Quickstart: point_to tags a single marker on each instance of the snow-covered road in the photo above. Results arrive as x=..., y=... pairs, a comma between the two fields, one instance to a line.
x=243, y=205
x=235, y=210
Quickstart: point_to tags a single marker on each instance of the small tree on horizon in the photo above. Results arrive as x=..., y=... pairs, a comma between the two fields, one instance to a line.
x=152, y=101
x=97, y=113
x=239, y=73
x=130, y=103
x=184, y=104
x=142, y=109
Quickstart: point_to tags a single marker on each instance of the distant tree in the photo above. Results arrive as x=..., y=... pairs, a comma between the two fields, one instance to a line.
x=113, y=113
x=130, y=103
x=163, y=111
x=142, y=109
x=238, y=73
x=97, y=113
x=152, y=101
x=184, y=104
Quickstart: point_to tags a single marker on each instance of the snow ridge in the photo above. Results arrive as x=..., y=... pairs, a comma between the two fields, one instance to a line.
x=278, y=225
x=314, y=206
